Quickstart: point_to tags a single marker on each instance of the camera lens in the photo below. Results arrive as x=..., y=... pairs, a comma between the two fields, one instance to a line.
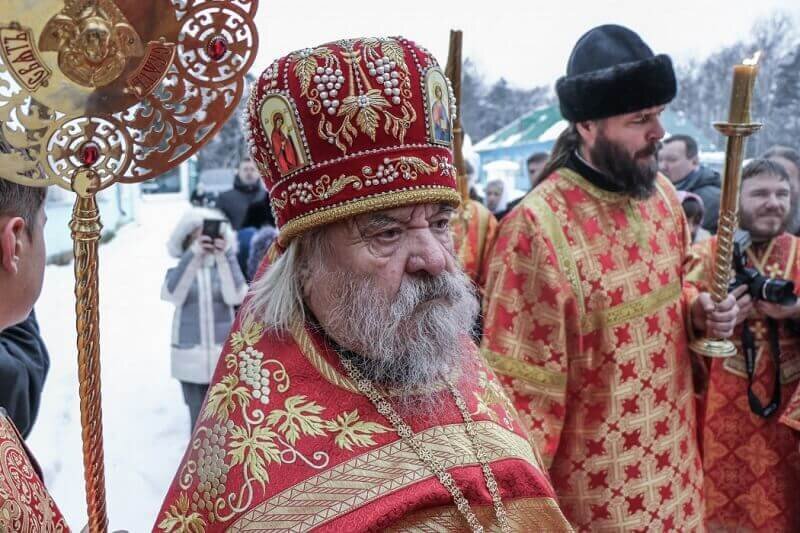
x=779, y=291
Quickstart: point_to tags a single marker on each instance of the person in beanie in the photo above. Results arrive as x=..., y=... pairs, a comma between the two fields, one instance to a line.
x=588, y=316
x=204, y=286
x=349, y=396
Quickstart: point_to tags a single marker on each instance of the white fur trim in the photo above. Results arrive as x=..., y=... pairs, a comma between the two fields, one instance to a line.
x=192, y=220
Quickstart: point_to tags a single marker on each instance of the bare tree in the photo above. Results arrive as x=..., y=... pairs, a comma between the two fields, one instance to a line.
x=704, y=87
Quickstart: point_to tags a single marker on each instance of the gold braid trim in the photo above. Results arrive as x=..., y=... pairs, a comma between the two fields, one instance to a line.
x=551, y=227
x=526, y=372
x=370, y=476
x=316, y=359
x=524, y=514
x=619, y=314
x=388, y=200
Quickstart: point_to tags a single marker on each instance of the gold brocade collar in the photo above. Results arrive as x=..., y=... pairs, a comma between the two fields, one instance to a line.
x=589, y=187
x=760, y=259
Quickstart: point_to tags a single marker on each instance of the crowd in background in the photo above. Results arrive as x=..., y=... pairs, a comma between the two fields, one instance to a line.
x=698, y=185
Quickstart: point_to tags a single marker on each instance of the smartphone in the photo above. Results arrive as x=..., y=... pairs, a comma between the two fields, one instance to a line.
x=212, y=227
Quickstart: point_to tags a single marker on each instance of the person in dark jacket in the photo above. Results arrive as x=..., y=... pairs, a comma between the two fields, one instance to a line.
x=679, y=160
x=24, y=363
x=23, y=357
x=246, y=189
x=257, y=233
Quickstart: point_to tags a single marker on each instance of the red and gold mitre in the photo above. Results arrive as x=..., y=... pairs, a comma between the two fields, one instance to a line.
x=350, y=127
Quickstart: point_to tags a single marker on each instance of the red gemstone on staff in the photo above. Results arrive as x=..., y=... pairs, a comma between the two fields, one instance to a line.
x=89, y=153
x=217, y=47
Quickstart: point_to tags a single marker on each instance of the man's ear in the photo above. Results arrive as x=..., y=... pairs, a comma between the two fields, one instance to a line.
x=588, y=130
x=11, y=243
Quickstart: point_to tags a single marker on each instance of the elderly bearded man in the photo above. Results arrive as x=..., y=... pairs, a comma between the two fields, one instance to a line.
x=349, y=396
x=587, y=314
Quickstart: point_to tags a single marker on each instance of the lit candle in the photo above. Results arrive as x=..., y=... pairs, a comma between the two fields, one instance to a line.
x=744, y=78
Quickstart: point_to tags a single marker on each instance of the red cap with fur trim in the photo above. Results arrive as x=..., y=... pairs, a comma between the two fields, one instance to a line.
x=350, y=127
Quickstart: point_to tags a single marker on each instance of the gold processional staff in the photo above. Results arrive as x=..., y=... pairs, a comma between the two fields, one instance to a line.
x=96, y=92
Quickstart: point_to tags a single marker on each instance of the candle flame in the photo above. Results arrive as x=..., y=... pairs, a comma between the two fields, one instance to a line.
x=752, y=60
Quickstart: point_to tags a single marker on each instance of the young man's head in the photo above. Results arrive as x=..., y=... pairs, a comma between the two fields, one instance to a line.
x=765, y=199
x=494, y=195
x=22, y=250
x=248, y=172
x=789, y=159
x=613, y=95
x=536, y=163
x=678, y=157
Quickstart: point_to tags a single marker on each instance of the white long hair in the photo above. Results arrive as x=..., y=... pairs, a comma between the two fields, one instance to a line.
x=276, y=298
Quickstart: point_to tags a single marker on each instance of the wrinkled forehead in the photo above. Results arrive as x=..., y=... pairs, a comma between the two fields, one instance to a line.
x=402, y=215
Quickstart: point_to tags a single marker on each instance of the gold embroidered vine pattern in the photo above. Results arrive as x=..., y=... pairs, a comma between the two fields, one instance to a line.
x=359, y=91
x=264, y=437
x=407, y=168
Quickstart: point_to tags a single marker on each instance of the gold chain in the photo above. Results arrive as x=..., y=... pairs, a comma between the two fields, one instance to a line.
x=407, y=434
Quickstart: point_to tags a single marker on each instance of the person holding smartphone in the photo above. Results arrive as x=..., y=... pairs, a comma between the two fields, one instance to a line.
x=205, y=286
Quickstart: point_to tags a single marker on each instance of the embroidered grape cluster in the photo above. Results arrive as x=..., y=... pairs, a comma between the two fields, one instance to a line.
x=386, y=173
x=385, y=73
x=252, y=374
x=329, y=83
x=211, y=468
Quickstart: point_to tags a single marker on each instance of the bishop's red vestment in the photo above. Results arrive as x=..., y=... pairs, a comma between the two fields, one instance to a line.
x=287, y=442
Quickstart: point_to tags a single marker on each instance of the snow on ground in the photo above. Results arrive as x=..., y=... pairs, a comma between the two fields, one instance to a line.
x=146, y=424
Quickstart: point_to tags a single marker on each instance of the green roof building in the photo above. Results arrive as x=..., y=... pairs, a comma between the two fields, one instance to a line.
x=537, y=132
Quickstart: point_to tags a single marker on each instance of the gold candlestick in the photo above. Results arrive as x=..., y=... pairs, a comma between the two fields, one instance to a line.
x=737, y=129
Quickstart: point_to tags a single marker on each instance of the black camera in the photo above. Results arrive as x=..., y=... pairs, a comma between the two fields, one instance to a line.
x=761, y=287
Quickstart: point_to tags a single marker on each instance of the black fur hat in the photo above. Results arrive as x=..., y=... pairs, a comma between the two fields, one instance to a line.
x=611, y=71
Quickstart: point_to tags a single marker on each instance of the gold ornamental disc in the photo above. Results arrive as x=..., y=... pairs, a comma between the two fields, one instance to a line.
x=139, y=82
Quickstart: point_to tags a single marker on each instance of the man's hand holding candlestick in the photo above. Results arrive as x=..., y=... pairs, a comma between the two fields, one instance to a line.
x=716, y=320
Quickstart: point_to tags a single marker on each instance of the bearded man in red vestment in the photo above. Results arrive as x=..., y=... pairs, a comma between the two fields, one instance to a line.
x=750, y=460
x=587, y=314
x=349, y=396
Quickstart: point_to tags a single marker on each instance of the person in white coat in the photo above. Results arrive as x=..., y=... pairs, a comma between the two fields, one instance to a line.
x=205, y=287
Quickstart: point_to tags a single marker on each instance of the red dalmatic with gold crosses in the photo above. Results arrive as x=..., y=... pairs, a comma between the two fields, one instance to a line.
x=751, y=464
x=586, y=324
x=474, y=230
x=286, y=442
